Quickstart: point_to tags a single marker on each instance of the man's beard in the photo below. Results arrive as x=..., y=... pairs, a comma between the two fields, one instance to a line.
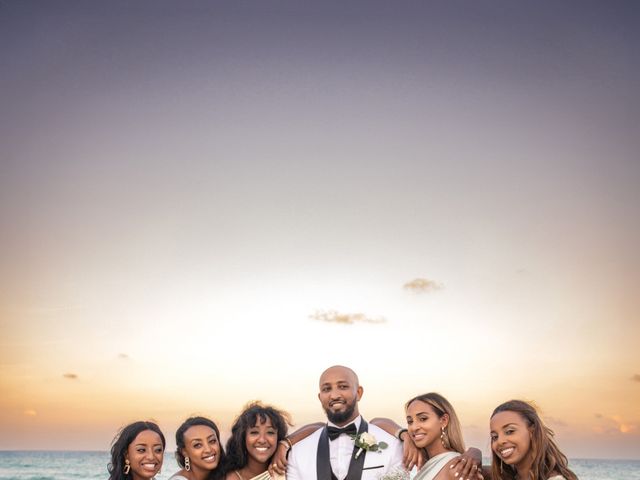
x=339, y=418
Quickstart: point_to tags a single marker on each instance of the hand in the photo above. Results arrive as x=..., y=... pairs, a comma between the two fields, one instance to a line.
x=466, y=467
x=279, y=461
x=411, y=455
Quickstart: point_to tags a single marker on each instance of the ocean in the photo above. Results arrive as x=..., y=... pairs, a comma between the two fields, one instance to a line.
x=93, y=465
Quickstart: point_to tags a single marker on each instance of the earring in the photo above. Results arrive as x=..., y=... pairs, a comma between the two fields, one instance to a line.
x=127, y=467
x=187, y=464
x=443, y=438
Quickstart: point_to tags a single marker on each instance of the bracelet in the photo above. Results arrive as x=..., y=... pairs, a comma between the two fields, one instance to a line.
x=400, y=432
x=286, y=443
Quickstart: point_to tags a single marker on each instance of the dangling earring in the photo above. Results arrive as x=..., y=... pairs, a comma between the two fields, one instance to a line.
x=187, y=464
x=127, y=467
x=443, y=438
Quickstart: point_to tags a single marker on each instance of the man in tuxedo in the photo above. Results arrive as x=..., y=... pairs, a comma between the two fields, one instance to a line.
x=330, y=453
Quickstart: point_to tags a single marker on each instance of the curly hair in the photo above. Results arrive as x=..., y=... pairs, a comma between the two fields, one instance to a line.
x=547, y=457
x=253, y=413
x=216, y=473
x=442, y=406
x=121, y=443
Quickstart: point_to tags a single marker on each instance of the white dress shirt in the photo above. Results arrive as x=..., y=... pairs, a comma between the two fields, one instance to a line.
x=341, y=450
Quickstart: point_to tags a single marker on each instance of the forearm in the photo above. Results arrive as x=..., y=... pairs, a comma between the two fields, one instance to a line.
x=303, y=432
x=388, y=425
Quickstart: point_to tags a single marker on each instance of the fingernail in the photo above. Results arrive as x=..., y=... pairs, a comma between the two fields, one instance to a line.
x=457, y=475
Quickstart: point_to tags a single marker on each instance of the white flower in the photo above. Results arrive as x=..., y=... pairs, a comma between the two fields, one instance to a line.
x=368, y=439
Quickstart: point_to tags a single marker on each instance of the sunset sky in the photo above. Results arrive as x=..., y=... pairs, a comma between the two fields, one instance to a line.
x=206, y=203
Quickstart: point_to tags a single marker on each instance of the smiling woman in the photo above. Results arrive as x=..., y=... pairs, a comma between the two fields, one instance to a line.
x=198, y=451
x=137, y=452
x=254, y=439
x=523, y=446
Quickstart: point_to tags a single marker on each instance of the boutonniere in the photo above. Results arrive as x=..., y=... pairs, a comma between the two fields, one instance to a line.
x=366, y=441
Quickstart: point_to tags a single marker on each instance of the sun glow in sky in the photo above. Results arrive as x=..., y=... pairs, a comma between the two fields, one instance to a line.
x=204, y=204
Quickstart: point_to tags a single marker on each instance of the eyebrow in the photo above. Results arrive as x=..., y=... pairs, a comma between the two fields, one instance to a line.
x=505, y=426
x=420, y=413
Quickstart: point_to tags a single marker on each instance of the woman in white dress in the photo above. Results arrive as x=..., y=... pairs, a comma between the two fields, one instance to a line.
x=523, y=447
x=199, y=452
x=433, y=425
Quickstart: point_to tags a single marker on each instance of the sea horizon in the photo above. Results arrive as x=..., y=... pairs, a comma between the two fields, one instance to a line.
x=92, y=465
x=170, y=452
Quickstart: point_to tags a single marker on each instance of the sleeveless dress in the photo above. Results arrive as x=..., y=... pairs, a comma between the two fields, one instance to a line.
x=262, y=476
x=434, y=465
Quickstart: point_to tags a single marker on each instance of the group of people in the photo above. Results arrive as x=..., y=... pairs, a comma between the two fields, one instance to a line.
x=346, y=447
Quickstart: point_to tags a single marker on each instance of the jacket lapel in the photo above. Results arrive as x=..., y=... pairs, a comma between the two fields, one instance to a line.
x=357, y=464
x=323, y=464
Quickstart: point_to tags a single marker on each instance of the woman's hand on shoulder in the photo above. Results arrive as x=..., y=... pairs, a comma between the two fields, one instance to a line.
x=464, y=467
x=278, y=465
x=411, y=455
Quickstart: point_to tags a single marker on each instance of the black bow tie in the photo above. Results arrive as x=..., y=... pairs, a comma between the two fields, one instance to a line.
x=334, y=432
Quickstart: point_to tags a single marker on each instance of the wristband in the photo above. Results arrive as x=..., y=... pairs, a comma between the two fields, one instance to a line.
x=286, y=443
x=400, y=432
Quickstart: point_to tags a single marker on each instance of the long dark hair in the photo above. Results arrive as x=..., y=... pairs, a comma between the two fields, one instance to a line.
x=216, y=473
x=121, y=443
x=547, y=457
x=253, y=413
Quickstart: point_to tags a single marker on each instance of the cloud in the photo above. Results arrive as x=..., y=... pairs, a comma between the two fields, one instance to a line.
x=556, y=422
x=422, y=285
x=636, y=377
x=123, y=356
x=70, y=376
x=332, y=316
x=597, y=415
x=30, y=413
x=622, y=425
x=614, y=424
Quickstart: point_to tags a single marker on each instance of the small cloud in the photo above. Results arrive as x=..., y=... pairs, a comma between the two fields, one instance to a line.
x=636, y=377
x=556, y=422
x=123, y=356
x=70, y=376
x=622, y=425
x=614, y=424
x=332, y=316
x=422, y=285
x=30, y=413
x=597, y=415
x=521, y=271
